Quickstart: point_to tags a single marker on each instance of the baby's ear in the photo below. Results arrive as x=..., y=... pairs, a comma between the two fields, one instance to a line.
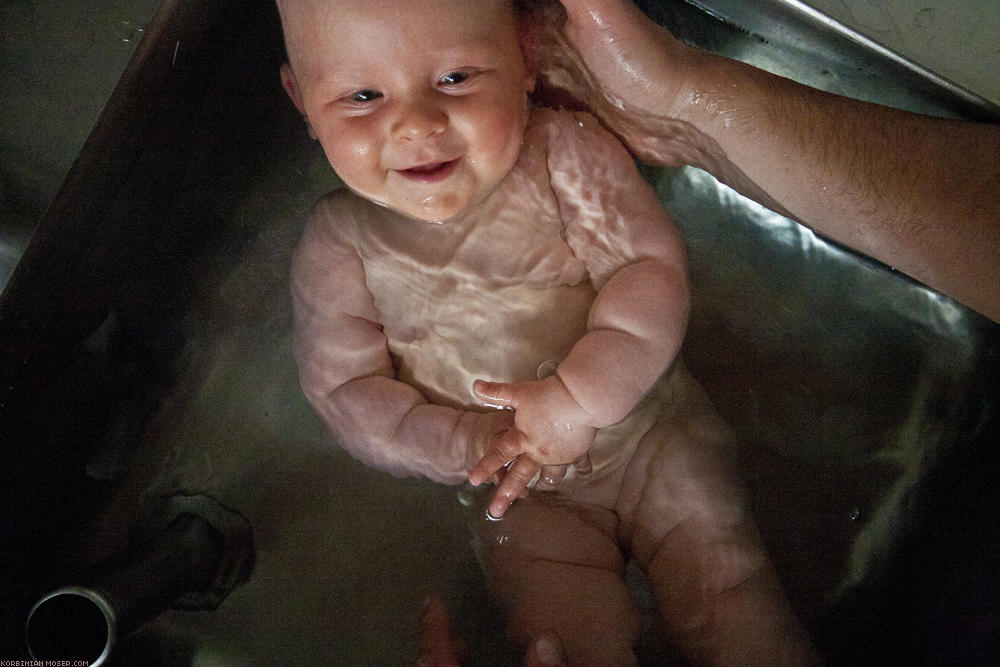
x=538, y=24
x=527, y=34
x=291, y=86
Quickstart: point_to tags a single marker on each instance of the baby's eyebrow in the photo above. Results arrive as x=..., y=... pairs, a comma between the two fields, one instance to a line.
x=468, y=53
x=336, y=83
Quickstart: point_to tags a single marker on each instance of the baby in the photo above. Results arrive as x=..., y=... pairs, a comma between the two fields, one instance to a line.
x=488, y=254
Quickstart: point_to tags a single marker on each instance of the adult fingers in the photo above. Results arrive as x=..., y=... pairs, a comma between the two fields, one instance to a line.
x=437, y=649
x=600, y=14
x=545, y=651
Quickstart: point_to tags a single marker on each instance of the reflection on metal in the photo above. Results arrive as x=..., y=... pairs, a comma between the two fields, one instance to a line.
x=850, y=384
x=854, y=388
x=792, y=24
x=846, y=381
x=820, y=357
x=72, y=623
x=188, y=555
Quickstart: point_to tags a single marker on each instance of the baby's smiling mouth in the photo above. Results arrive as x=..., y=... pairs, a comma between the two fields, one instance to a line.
x=431, y=171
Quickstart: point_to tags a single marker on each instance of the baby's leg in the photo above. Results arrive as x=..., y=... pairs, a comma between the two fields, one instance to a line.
x=556, y=566
x=685, y=517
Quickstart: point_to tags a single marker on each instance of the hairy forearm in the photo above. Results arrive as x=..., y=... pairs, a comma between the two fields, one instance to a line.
x=636, y=328
x=921, y=194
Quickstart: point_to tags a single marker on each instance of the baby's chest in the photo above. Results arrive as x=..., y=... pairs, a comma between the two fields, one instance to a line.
x=469, y=265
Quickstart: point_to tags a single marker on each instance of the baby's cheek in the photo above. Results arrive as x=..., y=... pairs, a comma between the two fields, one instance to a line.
x=501, y=135
x=342, y=155
x=351, y=162
x=349, y=150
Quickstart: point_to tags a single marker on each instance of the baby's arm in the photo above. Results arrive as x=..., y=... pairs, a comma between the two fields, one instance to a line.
x=348, y=377
x=635, y=258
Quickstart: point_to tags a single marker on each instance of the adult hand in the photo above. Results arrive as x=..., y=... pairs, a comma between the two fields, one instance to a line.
x=439, y=649
x=632, y=60
x=770, y=138
x=609, y=58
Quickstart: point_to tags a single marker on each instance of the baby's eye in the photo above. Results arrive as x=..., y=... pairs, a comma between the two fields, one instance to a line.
x=363, y=96
x=454, y=78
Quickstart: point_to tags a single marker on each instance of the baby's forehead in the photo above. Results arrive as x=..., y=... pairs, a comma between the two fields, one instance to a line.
x=319, y=24
x=390, y=10
x=307, y=22
x=308, y=11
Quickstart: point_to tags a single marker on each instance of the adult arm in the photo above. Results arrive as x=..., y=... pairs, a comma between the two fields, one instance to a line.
x=920, y=194
x=347, y=374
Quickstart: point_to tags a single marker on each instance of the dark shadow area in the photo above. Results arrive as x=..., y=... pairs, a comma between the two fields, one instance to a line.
x=98, y=312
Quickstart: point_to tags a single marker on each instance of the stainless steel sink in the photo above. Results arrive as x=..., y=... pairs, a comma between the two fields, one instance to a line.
x=145, y=352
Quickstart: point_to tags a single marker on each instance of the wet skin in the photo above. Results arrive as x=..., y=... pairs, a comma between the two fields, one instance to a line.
x=424, y=118
x=395, y=321
x=396, y=312
x=431, y=137
x=551, y=283
x=916, y=192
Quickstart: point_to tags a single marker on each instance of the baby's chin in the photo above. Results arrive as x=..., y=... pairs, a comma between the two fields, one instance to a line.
x=435, y=210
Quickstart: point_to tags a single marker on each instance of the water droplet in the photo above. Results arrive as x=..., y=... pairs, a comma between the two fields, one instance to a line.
x=126, y=30
x=546, y=368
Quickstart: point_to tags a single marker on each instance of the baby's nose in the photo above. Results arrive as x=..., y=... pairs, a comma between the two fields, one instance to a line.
x=420, y=119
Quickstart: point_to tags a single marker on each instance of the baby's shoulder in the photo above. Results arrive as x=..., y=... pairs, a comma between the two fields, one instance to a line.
x=331, y=226
x=337, y=206
x=576, y=138
x=562, y=124
x=338, y=215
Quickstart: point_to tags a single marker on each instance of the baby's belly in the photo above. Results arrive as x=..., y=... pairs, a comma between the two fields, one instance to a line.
x=503, y=334
x=508, y=334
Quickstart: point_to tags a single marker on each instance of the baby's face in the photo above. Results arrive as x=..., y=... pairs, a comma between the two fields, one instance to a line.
x=420, y=105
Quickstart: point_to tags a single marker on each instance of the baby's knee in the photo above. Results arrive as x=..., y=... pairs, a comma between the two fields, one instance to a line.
x=557, y=566
x=591, y=611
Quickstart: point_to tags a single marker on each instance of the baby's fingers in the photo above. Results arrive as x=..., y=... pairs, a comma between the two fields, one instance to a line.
x=495, y=394
x=498, y=478
x=551, y=477
x=514, y=482
x=503, y=449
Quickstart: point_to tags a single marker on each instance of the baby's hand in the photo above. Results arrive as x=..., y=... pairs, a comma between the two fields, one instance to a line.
x=549, y=425
x=486, y=428
x=512, y=481
x=549, y=431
